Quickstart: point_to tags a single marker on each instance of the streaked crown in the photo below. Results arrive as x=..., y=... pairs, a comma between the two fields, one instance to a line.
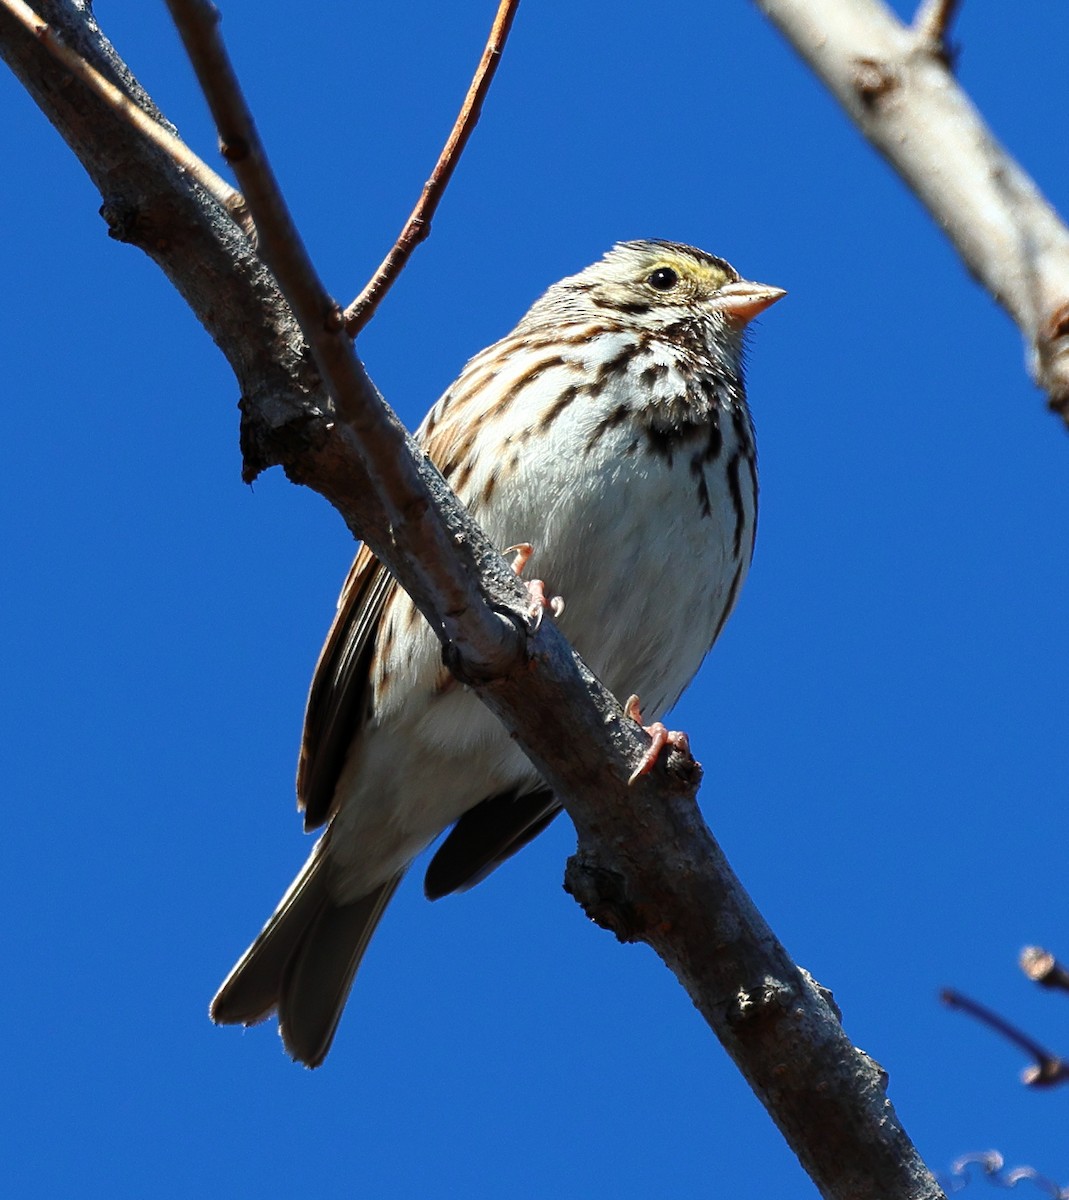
x=656, y=285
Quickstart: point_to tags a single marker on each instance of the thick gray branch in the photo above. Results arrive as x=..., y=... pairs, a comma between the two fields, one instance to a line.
x=647, y=866
x=896, y=85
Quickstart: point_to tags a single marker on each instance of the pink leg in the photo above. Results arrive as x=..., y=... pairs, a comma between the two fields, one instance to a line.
x=536, y=589
x=659, y=738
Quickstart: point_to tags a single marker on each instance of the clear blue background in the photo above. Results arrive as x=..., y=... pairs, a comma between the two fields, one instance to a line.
x=882, y=725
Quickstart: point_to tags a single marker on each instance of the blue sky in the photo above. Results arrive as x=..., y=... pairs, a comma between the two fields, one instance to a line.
x=881, y=725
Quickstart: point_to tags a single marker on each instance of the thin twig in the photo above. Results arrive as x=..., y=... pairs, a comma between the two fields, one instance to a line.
x=231, y=199
x=955, y=999
x=488, y=643
x=1049, y=1068
x=1043, y=968
x=933, y=21
x=418, y=225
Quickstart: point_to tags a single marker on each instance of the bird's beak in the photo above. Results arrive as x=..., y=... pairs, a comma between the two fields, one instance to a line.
x=742, y=301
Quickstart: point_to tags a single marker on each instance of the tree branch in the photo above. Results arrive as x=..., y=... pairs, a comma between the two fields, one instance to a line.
x=418, y=226
x=897, y=88
x=647, y=866
x=484, y=643
x=164, y=137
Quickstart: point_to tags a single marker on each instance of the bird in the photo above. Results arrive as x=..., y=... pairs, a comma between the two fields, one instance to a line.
x=608, y=443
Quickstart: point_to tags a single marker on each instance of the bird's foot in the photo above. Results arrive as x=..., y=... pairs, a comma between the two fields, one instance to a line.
x=536, y=589
x=659, y=738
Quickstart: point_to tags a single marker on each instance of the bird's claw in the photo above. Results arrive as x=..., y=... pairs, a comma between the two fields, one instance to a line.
x=659, y=737
x=536, y=589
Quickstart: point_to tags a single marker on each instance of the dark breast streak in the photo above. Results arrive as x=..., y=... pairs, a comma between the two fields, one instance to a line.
x=690, y=425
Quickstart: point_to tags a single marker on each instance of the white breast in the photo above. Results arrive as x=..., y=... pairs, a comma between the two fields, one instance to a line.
x=619, y=530
x=647, y=572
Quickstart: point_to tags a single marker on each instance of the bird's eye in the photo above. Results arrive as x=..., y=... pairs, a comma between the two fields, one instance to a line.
x=663, y=279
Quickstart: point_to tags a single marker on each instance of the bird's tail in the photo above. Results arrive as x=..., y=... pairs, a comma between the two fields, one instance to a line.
x=303, y=963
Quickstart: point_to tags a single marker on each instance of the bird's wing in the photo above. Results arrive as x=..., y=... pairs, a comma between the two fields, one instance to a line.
x=337, y=700
x=497, y=826
x=485, y=836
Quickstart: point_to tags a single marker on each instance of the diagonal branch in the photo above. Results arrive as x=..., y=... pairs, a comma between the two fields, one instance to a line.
x=647, y=866
x=896, y=86
x=160, y=135
x=418, y=226
x=486, y=644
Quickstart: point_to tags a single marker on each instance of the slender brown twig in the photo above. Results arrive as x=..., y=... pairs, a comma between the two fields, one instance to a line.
x=1049, y=1069
x=418, y=225
x=933, y=21
x=488, y=642
x=231, y=199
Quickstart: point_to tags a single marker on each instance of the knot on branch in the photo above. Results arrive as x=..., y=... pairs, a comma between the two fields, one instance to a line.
x=275, y=431
x=758, y=1005
x=875, y=1071
x=121, y=218
x=604, y=898
x=234, y=148
x=873, y=80
x=509, y=651
x=824, y=993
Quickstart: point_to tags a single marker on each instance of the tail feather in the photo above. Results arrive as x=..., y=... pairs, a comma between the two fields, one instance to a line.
x=320, y=974
x=249, y=994
x=303, y=963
